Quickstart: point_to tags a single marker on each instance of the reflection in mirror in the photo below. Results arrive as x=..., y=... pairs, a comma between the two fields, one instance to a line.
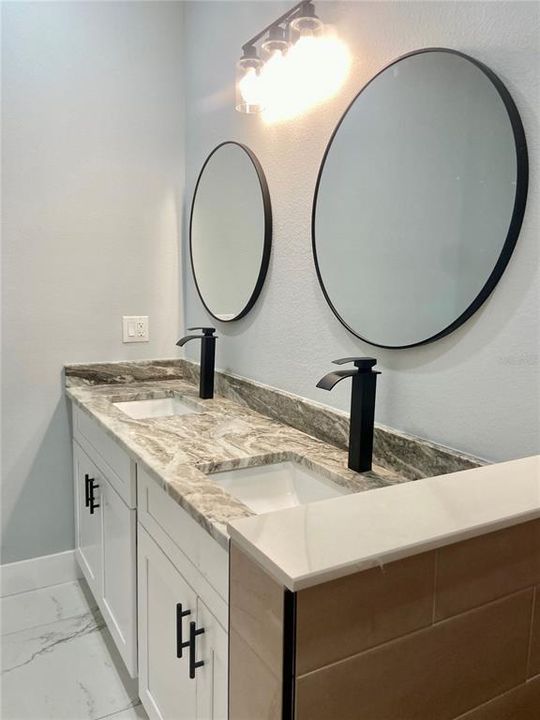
x=419, y=199
x=230, y=231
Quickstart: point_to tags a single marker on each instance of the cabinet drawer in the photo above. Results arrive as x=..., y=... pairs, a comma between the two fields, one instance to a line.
x=112, y=459
x=159, y=513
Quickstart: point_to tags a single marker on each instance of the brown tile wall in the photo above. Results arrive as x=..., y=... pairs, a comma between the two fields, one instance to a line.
x=477, y=571
x=453, y=633
x=255, y=641
x=340, y=618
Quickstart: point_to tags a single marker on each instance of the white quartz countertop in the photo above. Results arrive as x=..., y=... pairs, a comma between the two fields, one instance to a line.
x=311, y=544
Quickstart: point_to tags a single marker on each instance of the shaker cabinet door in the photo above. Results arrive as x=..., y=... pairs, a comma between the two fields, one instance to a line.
x=119, y=599
x=167, y=604
x=87, y=492
x=212, y=678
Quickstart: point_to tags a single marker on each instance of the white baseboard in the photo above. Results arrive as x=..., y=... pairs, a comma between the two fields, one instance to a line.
x=38, y=572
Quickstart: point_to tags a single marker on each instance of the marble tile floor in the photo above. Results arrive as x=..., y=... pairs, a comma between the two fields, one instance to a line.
x=58, y=661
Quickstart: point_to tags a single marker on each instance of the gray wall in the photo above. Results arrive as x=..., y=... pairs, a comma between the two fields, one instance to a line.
x=92, y=138
x=476, y=390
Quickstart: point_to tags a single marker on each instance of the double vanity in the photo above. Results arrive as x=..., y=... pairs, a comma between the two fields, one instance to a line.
x=158, y=475
x=168, y=486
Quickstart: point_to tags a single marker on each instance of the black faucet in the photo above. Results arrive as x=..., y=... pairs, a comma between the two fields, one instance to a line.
x=208, y=358
x=362, y=407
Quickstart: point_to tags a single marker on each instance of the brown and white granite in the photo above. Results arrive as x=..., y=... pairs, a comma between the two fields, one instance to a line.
x=179, y=451
x=410, y=457
x=246, y=424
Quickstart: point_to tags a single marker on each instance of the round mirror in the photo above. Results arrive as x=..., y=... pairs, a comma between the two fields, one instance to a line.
x=419, y=199
x=230, y=231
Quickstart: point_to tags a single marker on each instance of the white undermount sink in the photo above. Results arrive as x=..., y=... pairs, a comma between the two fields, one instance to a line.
x=155, y=407
x=275, y=487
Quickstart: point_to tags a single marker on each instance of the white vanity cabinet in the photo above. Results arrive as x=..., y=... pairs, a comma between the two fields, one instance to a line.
x=160, y=580
x=183, y=613
x=105, y=531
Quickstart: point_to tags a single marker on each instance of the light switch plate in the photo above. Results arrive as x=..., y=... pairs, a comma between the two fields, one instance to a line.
x=135, y=328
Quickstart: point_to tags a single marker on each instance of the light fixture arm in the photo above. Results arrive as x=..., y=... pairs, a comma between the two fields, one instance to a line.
x=288, y=16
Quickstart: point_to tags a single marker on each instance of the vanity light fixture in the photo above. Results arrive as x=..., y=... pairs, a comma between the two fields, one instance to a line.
x=306, y=24
x=248, y=68
x=301, y=63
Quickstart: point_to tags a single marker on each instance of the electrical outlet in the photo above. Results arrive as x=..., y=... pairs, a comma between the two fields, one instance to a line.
x=135, y=328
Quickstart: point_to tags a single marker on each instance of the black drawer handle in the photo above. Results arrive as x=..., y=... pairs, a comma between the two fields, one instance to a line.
x=86, y=490
x=194, y=664
x=180, y=644
x=93, y=504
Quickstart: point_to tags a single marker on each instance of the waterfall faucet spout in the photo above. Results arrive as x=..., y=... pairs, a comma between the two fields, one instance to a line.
x=208, y=359
x=362, y=407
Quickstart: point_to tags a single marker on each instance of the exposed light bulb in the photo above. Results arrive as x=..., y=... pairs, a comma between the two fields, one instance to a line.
x=275, y=42
x=305, y=26
x=312, y=71
x=273, y=78
x=248, y=86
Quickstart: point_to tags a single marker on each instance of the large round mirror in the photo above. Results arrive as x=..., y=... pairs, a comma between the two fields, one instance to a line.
x=419, y=198
x=230, y=231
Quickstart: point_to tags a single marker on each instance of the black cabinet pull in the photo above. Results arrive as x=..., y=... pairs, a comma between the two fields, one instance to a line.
x=93, y=504
x=86, y=490
x=194, y=664
x=180, y=644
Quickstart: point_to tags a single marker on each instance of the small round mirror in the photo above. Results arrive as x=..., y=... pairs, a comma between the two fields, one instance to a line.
x=230, y=231
x=419, y=199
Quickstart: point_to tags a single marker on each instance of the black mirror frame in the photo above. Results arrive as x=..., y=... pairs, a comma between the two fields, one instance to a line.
x=267, y=242
x=522, y=182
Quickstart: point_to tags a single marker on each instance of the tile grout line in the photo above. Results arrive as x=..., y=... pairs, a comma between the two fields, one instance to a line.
x=40, y=589
x=88, y=608
x=529, y=649
x=133, y=704
x=494, y=699
x=418, y=631
x=91, y=611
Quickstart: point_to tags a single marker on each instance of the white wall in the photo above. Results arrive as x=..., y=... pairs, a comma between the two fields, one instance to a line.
x=476, y=390
x=92, y=183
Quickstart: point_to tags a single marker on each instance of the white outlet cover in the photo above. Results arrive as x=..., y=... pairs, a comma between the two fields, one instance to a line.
x=135, y=328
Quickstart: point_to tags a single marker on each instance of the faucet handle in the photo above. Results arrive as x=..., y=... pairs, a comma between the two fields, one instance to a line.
x=207, y=331
x=362, y=363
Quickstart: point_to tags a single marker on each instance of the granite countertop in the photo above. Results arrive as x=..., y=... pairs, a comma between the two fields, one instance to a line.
x=180, y=451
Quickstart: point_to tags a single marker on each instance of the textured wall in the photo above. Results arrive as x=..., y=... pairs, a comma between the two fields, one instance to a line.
x=92, y=137
x=476, y=390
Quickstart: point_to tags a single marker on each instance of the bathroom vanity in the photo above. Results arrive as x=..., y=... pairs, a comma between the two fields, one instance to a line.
x=151, y=524
x=128, y=528
x=163, y=481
